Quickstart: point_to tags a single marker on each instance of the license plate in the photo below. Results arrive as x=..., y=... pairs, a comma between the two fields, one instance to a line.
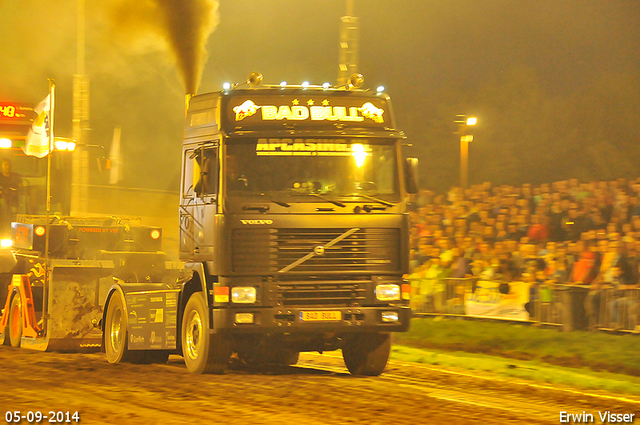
x=320, y=316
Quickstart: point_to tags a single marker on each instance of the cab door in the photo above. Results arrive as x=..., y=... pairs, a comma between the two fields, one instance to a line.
x=199, y=200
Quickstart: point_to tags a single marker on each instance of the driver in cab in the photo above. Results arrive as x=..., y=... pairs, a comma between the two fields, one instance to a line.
x=235, y=180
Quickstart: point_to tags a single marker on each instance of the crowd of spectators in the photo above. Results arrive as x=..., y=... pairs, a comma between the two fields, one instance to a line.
x=566, y=232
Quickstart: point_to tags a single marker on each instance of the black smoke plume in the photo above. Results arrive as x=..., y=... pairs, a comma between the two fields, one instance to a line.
x=183, y=25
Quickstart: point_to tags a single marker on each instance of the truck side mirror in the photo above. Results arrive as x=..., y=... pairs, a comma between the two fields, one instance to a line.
x=411, y=175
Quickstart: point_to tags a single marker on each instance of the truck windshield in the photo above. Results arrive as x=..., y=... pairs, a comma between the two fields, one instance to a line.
x=331, y=167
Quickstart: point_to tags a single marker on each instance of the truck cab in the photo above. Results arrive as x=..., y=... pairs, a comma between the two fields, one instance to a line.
x=293, y=222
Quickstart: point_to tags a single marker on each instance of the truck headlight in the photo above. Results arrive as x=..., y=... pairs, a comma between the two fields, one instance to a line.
x=390, y=316
x=387, y=292
x=243, y=295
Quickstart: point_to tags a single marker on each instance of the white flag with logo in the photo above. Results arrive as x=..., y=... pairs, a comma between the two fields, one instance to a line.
x=37, y=142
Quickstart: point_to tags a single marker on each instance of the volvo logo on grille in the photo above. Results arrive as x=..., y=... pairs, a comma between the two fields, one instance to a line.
x=319, y=250
x=256, y=221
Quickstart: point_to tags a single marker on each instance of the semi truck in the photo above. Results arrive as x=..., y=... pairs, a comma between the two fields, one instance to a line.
x=293, y=236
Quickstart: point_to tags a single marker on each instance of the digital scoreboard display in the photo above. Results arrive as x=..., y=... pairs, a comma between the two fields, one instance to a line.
x=16, y=113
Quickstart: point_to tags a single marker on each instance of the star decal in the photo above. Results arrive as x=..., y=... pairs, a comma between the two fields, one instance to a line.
x=295, y=102
x=325, y=102
x=310, y=102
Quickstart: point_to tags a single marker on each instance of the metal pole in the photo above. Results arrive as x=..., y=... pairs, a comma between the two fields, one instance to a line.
x=52, y=102
x=350, y=5
x=80, y=43
x=52, y=88
x=464, y=161
x=349, y=40
x=80, y=159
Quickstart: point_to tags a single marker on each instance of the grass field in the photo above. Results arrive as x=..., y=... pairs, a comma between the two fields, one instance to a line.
x=525, y=350
x=599, y=351
x=533, y=371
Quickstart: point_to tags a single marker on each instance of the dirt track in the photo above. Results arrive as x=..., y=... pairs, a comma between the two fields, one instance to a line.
x=318, y=391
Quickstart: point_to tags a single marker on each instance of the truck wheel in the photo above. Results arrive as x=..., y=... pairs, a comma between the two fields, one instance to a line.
x=15, y=321
x=155, y=357
x=367, y=354
x=115, y=332
x=286, y=357
x=203, y=352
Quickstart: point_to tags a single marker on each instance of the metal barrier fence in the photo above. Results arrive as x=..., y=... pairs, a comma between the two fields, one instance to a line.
x=443, y=296
x=546, y=306
x=570, y=306
x=613, y=309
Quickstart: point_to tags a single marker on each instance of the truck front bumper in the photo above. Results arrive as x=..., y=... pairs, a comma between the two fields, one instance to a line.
x=393, y=318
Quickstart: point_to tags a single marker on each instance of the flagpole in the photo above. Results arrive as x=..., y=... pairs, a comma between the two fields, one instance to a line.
x=52, y=89
x=52, y=102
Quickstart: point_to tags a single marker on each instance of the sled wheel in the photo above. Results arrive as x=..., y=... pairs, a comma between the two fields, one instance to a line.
x=15, y=321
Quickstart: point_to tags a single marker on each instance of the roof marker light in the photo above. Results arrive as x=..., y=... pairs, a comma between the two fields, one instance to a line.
x=283, y=84
x=226, y=86
x=326, y=85
x=380, y=89
x=305, y=84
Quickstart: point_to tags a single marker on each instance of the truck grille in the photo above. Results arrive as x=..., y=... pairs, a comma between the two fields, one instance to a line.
x=344, y=292
x=270, y=250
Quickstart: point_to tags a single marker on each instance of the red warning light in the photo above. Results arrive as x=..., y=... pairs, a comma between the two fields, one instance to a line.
x=39, y=231
x=155, y=234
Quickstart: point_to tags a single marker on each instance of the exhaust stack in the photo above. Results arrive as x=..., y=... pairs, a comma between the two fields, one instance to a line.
x=187, y=100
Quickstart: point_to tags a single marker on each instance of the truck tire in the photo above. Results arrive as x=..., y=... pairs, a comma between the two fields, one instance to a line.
x=115, y=332
x=15, y=321
x=286, y=357
x=367, y=354
x=153, y=356
x=264, y=357
x=203, y=352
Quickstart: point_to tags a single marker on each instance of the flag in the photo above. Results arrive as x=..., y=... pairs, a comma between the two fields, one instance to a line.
x=37, y=142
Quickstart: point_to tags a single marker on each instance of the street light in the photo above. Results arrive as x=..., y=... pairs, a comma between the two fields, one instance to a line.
x=463, y=129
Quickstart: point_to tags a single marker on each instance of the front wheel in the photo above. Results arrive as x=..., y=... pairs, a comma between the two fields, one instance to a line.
x=367, y=354
x=203, y=352
x=15, y=321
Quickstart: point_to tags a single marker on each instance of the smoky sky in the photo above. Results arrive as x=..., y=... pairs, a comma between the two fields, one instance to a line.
x=436, y=58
